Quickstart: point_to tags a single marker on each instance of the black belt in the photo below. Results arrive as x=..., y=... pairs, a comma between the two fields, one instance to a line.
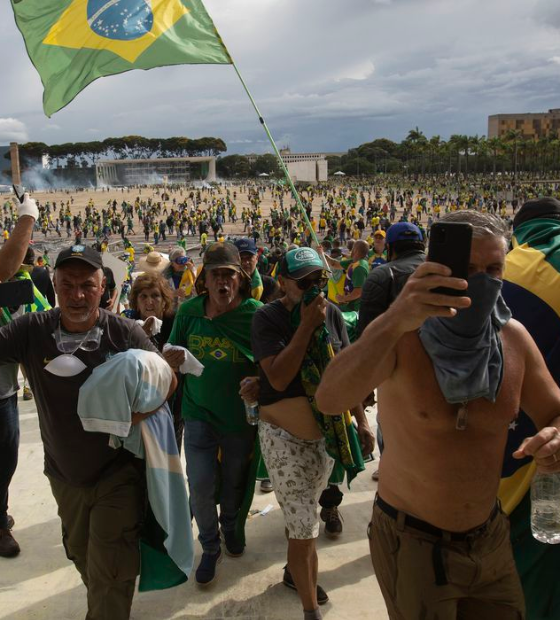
x=428, y=528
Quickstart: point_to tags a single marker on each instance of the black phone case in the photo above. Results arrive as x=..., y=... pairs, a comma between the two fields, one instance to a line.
x=19, y=191
x=14, y=294
x=450, y=245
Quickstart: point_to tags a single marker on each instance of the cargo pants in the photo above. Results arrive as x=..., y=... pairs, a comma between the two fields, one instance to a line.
x=100, y=532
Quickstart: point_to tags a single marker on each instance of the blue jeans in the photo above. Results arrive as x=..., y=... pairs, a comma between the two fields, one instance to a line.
x=207, y=477
x=9, y=444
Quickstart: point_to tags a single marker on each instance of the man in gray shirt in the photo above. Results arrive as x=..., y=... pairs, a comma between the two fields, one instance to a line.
x=99, y=491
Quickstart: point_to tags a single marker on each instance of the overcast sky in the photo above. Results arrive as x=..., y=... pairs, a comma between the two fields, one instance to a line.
x=327, y=75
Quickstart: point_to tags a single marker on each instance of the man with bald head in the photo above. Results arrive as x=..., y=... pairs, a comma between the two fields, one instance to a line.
x=357, y=269
x=99, y=491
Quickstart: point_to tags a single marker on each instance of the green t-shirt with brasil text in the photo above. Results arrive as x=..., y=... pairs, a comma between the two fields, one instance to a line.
x=223, y=346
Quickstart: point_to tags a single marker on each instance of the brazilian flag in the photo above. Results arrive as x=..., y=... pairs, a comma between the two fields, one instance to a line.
x=532, y=291
x=74, y=42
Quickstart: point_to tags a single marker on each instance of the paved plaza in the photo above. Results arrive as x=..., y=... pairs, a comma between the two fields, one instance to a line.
x=42, y=584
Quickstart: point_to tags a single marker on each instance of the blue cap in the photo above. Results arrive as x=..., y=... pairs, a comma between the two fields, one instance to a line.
x=403, y=231
x=246, y=245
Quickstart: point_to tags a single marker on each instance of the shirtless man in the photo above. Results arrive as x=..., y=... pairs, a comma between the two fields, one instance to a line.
x=439, y=541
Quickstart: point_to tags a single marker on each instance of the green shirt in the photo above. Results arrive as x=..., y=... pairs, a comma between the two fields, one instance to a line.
x=223, y=346
x=356, y=275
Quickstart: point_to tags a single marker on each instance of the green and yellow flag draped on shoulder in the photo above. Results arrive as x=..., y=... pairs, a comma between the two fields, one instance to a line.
x=74, y=42
x=532, y=291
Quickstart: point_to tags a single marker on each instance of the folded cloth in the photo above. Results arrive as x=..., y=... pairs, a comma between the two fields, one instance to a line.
x=138, y=381
x=191, y=366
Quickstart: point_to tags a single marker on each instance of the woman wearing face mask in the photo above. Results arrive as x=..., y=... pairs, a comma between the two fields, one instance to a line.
x=215, y=327
x=151, y=302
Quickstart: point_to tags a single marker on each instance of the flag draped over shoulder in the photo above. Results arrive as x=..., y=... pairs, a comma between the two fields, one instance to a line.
x=74, y=42
x=532, y=291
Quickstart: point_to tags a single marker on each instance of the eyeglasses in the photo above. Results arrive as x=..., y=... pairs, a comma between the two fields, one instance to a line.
x=306, y=283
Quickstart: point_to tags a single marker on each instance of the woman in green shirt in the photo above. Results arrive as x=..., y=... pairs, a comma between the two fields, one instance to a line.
x=215, y=327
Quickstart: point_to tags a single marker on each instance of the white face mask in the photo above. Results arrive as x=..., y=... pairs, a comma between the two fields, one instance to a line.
x=66, y=365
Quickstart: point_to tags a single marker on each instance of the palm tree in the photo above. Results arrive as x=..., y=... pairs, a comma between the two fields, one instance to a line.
x=496, y=146
x=513, y=136
x=455, y=147
x=417, y=141
x=473, y=146
x=482, y=151
x=415, y=135
x=434, y=149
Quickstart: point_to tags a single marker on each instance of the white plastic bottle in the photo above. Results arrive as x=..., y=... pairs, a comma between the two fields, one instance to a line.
x=545, y=508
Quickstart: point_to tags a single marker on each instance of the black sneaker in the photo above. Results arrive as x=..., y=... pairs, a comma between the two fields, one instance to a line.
x=266, y=486
x=9, y=547
x=322, y=596
x=234, y=548
x=333, y=521
x=11, y=523
x=206, y=571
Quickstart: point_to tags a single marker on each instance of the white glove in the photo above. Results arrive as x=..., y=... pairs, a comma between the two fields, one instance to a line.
x=28, y=207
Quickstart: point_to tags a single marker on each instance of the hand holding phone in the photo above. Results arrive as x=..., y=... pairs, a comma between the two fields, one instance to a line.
x=26, y=206
x=450, y=245
x=19, y=191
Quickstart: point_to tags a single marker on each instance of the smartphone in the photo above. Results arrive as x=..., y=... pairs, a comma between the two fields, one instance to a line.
x=19, y=191
x=450, y=245
x=14, y=294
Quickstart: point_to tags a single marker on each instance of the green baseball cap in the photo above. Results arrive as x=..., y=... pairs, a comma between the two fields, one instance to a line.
x=301, y=262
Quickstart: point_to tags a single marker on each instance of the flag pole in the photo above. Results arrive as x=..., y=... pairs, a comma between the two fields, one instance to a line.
x=280, y=160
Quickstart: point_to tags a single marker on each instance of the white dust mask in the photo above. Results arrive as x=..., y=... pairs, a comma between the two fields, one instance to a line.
x=66, y=365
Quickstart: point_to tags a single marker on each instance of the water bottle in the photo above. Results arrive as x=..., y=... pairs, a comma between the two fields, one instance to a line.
x=545, y=508
x=252, y=413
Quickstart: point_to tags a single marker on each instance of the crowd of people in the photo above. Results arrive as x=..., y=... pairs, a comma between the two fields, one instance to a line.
x=314, y=336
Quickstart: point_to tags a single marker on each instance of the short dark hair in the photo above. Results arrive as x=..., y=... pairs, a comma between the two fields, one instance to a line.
x=405, y=246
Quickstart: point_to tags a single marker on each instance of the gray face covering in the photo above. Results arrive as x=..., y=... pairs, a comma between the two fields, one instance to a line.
x=466, y=350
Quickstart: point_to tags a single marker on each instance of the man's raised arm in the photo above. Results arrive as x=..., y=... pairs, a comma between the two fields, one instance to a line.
x=366, y=364
x=13, y=251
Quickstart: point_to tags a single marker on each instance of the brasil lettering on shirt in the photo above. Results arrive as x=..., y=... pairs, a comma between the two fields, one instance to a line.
x=216, y=348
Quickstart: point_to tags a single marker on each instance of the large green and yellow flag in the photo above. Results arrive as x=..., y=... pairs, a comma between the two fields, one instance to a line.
x=74, y=42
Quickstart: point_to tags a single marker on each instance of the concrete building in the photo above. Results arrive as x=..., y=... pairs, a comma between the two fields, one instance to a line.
x=150, y=171
x=532, y=125
x=304, y=167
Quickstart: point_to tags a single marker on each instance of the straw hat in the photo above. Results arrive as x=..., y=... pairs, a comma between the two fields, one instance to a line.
x=153, y=262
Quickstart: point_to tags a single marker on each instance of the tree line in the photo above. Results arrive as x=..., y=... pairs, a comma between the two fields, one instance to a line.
x=463, y=154
x=86, y=154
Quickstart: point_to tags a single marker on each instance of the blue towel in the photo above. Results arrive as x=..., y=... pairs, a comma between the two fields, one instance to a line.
x=138, y=381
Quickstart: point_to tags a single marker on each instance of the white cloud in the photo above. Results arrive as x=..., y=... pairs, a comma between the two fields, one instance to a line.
x=360, y=71
x=326, y=75
x=12, y=130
